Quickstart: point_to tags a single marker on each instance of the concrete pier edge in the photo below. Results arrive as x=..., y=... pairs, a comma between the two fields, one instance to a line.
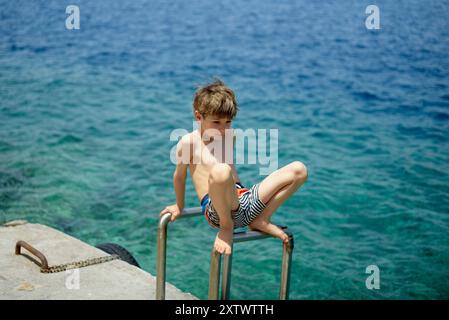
x=20, y=278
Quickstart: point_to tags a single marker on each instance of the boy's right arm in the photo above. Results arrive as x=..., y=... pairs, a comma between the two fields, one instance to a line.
x=179, y=181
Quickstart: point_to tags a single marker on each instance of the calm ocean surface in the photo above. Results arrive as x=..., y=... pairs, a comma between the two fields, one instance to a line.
x=86, y=116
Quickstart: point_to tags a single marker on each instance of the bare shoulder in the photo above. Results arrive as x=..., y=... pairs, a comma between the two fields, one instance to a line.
x=188, y=140
x=184, y=148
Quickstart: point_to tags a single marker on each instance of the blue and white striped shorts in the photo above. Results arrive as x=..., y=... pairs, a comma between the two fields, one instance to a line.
x=250, y=207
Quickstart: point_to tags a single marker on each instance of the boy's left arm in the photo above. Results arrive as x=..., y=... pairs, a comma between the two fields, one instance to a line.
x=232, y=165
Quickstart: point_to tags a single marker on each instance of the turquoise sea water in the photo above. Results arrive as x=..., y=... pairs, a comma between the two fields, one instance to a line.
x=86, y=115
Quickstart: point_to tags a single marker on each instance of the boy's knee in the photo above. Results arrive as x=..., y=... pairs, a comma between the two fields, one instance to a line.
x=220, y=172
x=299, y=171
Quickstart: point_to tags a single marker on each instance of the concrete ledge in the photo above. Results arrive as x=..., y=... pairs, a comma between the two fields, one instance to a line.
x=20, y=278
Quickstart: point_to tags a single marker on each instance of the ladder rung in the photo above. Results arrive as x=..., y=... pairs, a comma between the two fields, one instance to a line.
x=247, y=235
x=190, y=212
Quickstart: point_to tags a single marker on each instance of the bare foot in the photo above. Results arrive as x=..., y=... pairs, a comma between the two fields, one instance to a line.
x=223, y=241
x=268, y=227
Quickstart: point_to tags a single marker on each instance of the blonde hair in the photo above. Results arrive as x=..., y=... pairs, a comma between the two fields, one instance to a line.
x=215, y=99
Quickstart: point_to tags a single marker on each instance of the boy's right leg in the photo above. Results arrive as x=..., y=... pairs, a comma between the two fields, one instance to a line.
x=224, y=199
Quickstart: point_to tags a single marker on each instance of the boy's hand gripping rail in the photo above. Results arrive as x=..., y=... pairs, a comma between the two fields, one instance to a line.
x=214, y=277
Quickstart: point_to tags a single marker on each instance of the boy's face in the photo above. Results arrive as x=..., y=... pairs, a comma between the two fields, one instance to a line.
x=220, y=124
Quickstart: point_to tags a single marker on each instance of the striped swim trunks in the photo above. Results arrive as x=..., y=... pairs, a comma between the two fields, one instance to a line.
x=249, y=208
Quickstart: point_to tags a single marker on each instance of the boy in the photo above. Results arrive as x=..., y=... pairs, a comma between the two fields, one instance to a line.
x=225, y=203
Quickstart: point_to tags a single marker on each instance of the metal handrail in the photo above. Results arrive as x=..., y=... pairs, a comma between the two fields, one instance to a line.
x=162, y=247
x=214, y=276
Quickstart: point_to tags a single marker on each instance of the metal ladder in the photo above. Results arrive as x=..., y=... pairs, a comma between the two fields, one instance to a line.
x=214, y=276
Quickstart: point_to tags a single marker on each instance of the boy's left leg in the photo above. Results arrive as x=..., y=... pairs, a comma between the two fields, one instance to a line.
x=275, y=190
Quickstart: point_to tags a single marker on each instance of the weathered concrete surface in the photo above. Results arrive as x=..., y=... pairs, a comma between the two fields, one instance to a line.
x=20, y=278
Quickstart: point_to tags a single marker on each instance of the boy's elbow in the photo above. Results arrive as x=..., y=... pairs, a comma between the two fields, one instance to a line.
x=178, y=177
